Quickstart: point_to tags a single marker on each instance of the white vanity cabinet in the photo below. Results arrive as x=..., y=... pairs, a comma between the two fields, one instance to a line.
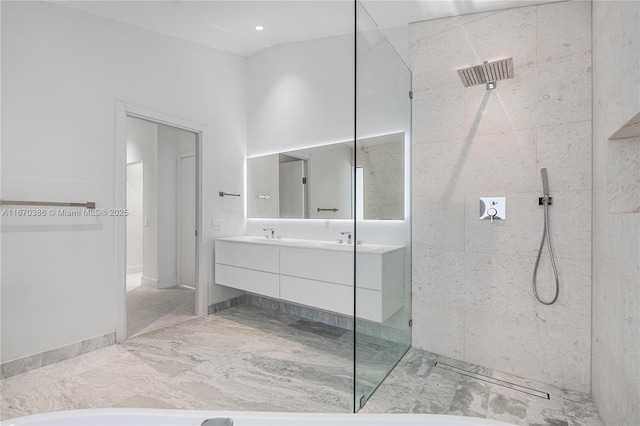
x=316, y=274
x=250, y=267
x=319, y=278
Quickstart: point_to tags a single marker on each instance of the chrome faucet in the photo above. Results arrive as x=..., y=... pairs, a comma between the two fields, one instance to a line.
x=348, y=234
x=273, y=232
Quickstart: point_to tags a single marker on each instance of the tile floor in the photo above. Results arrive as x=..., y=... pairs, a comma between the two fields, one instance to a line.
x=149, y=308
x=418, y=385
x=248, y=358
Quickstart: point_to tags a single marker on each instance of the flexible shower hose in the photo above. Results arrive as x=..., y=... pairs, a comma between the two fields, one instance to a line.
x=546, y=236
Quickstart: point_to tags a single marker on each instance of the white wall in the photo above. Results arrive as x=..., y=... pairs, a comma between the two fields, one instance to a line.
x=142, y=145
x=135, y=217
x=171, y=142
x=263, y=175
x=471, y=278
x=62, y=73
x=301, y=95
x=616, y=213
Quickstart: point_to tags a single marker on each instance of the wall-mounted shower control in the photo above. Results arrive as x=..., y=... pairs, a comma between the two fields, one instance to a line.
x=541, y=201
x=493, y=208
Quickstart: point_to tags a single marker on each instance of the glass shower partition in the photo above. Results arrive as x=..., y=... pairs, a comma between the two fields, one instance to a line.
x=382, y=204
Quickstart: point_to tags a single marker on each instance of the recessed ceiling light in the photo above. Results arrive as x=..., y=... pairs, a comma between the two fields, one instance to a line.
x=259, y=28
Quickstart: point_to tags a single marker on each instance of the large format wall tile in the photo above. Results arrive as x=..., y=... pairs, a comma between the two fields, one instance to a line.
x=563, y=29
x=489, y=165
x=565, y=151
x=438, y=222
x=437, y=167
x=521, y=232
x=437, y=54
x=616, y=340
x=529, y=349
x=564, y=86
x=616, y=239
x=438, y=328
x=469, y=143
x=503, y=285
x=623, y=176
x=514, y=105
x=438, y=113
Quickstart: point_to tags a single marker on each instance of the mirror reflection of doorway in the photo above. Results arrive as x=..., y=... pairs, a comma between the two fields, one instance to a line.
x=292, y=181
x=160, y=226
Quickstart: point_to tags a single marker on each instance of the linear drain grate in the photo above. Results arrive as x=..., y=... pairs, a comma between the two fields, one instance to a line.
x=503, y=383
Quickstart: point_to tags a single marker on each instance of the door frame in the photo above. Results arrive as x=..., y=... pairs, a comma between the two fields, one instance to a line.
x=124, y=110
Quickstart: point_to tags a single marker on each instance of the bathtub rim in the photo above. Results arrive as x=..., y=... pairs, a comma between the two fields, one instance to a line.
x=196, y=417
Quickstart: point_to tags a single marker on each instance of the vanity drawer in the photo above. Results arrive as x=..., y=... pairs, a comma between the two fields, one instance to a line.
x=330, y=297
x=250, y=256
x=319, y=265
x=258, y=282
x=371, y=306
x=381, y=272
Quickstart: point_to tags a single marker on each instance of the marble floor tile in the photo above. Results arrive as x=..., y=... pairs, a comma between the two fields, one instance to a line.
x=250, y=358
x=546, y=413
x=431, y=395
x=582, y=413
x=507, y=409
x=318, y=328
x=149, y=308
x=471, y=398
x=243, y=358
x=416, y=385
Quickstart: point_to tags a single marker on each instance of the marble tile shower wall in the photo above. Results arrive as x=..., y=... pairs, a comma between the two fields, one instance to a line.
x=616, y=214
x=472, y=279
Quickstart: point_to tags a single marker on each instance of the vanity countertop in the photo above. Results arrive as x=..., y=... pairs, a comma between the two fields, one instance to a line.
x=312, y=244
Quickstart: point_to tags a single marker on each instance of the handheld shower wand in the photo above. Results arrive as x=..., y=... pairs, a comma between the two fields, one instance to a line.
x=545, y=182
x=546, y=200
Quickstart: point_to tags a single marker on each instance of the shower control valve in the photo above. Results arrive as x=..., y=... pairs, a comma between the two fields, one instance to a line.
x=493, y=208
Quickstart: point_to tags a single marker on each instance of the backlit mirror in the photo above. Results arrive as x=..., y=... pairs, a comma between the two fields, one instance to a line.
x=318, y=182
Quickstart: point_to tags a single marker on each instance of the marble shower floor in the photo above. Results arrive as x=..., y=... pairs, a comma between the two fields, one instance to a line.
x=248, y=358
x=417, y=385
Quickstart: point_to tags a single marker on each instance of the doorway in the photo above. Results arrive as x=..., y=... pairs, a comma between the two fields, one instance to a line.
x=159, y=242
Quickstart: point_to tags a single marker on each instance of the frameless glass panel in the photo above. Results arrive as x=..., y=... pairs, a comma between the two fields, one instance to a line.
x=383, y=247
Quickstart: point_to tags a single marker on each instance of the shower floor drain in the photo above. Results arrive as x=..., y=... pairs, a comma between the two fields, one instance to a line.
x=494, y=381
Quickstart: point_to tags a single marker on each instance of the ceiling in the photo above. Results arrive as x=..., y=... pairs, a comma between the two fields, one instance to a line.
x=230, y=25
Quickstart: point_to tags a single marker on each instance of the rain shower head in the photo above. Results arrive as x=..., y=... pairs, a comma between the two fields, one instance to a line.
x=488, y=73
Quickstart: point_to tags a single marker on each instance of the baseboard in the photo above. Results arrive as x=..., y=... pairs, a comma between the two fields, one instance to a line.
x=163, y=283
x=167, y=282
x=221, y=306
x=134, y=269
x=31, y=362
x=363, y=327
x=149, y=282
x=300, y=311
